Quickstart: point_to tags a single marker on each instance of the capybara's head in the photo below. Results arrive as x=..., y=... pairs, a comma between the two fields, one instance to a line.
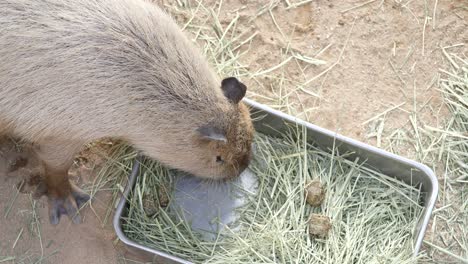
x=213, y=142
x=226, y=141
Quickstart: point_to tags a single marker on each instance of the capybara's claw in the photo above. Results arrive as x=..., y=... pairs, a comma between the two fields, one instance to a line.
x=59, y=206
x=81, y=197
x=69, y=205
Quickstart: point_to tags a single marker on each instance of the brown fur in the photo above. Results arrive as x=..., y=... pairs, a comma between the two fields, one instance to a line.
x=76, y=71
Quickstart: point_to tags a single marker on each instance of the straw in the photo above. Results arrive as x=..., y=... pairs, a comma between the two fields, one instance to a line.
x=445, y=148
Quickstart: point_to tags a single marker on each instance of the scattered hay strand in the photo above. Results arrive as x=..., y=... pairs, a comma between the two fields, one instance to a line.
x=7, y=258
x=383, y=113
x=12, y=202
x=337, y=61
x=357, y=6
x=462, y=260
x=434, y=14
x=17, y=238
x=295, y=5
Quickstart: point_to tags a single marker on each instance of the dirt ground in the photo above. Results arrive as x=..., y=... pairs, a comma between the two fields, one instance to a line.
x=378, y=56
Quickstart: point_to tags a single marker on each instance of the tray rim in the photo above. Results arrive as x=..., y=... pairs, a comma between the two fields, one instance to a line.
x=428, y=208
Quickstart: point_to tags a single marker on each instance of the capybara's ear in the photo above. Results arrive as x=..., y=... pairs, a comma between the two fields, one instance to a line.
x=211, y=132
x=233, y=89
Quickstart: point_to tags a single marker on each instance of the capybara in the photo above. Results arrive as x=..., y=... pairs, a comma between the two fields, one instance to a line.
x=72, y=72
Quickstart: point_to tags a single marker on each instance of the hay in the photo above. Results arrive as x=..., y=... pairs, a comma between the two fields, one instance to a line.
x=373, y=216
x=448, y=147
x=445, y=148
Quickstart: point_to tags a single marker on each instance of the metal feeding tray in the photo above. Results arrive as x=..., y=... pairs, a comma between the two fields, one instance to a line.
x=269, y=121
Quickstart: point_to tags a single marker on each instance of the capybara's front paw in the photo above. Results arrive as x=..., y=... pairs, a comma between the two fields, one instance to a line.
x=67, y=204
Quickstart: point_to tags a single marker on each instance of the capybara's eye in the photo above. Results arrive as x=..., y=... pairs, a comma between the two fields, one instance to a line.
x=219, y=159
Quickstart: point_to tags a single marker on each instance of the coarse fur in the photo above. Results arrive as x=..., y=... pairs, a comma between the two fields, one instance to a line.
x=75, y=71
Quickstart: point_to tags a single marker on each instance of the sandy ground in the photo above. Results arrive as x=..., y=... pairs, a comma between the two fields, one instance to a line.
x=357, y=82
